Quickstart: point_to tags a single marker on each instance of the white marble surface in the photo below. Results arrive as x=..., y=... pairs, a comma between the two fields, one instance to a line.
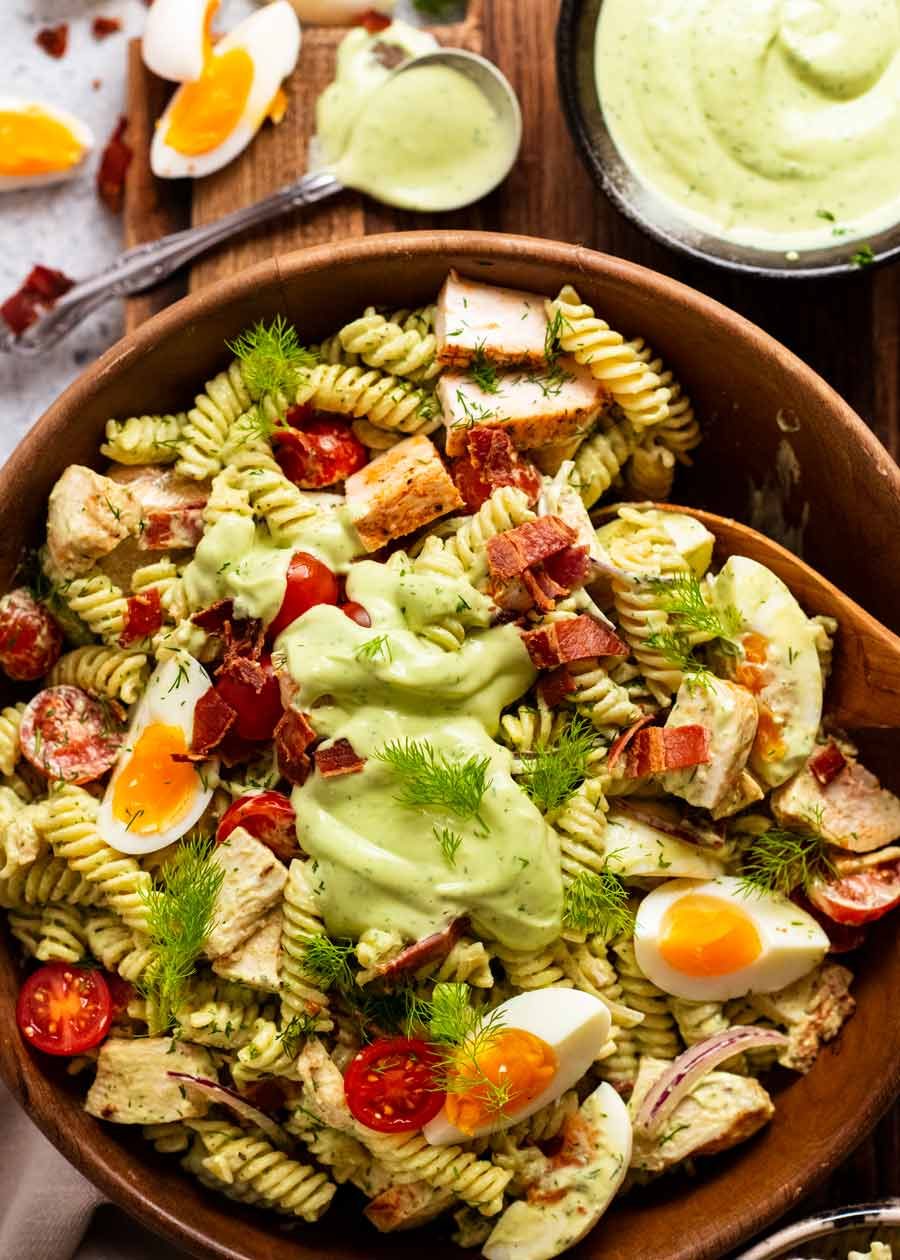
x=65, y=226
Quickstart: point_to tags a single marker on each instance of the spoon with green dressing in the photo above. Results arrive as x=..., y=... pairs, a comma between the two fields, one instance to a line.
x=442, y=131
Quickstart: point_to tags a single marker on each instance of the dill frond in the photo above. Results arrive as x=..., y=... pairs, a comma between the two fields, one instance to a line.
x=295, y=1032
x=553, y=337
x=272, y=357
x=483, y=372
x=692, y=618
x=181, y=915
x=554, y=771
x=449, y=842
x=327, y=962
x=375, y=649
x=597, y=904
x=430, y=780
x=781, y=860
x=462, y=1035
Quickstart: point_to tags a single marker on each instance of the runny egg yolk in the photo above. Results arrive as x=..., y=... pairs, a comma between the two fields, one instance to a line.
x=206, y=112
x=152, y=791
x=705, y=936
x=512, y=1070
x=33, y=142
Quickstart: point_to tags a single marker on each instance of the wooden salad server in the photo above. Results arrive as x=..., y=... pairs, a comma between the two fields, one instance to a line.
x=864, y=687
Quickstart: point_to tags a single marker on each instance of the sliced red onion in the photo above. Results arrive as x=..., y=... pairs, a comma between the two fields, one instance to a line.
x=238, y=1104
x=706, y=838
x=666, y=1093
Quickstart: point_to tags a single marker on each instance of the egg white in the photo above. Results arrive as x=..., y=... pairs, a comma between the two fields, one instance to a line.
x=576, y=1025
x=171, y=697
x=174, y=41
x=791, y=941
x=82, y=133
x=271, y=38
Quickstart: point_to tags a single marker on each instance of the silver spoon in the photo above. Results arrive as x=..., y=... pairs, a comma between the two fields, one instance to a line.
x=147, y=265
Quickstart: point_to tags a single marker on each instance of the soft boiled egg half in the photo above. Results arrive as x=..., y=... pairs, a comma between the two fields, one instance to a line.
x=544, y=1042
x=39, y=144
x=178, y=39
x=710, y=940
x=152, y=799
x=212, y=119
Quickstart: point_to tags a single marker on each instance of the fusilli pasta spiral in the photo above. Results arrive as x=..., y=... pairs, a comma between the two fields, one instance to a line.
x=387, y=402
x=113, y=673
x=601, y=457
x=656, y=1034
x=10, y=747
x=144, y=439
x=301, y=920
x=120, y=949
x=63, y=936
x=99, y=603
x=205, y=432
x=385, y=345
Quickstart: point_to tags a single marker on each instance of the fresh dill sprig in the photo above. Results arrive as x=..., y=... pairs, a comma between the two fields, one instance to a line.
x=553, y=337
x=327, y=962
x=375, y=649
x=295, y=1032
x=181, y=914
x=462, y=1035
x=864, y=256
x=473, y=412
x=483, y=372
x=597, y=904
x=271, y=357
x=429, y=779
x=780, y=860
x=692, y=618
x=553, y=771
x=449, y=842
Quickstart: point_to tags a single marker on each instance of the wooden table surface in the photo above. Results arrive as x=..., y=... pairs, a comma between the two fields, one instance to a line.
x=847, y=329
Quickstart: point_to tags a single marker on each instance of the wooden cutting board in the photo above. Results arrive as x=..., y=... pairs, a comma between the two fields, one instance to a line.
x=552, y=198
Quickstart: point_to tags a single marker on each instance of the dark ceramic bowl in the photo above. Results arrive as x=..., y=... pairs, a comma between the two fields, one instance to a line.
x=844, y=503
x=575, y=69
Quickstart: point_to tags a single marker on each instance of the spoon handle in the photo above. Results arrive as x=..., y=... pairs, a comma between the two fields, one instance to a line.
x=148, y=264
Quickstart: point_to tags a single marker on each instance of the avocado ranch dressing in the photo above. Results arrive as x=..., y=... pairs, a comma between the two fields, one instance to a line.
x=379, y=863
x=775, y=123
x=421, y=139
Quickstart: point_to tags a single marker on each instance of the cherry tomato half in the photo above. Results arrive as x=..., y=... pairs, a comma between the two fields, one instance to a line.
x=391, y=1085
x=309, y=582
x=319, y=452
x=258, y=712
x=30, y=639
x=356, y=613
x=269, y=817
x=861, y=897
x=63, y=1009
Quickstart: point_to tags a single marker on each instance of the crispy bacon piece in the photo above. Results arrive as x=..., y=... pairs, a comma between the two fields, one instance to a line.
x=554, y=687
x=618, y=746
x=234, y=750
x=245, y=639
x=244, y=671
x=429, y=948
x=293, y=735
x=102, y=27
x=214, y=619
x=660, y=748
x=113, y=167
x=172, y=529
x=491, y=461
x=53, y=39
x=39, y=292
x=213, y=719
x=340, y=758
x=511, y=553
x=827, y=763
x=569, y=567
x=576, y=639
x=143, y=617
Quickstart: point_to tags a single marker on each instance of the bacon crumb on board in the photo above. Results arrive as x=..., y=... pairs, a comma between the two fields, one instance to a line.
x=660, y=748
x=576, y=639
x=39, y=292
x=53, y=39
x=103, y=27
x=337, y=759
x=113, y=167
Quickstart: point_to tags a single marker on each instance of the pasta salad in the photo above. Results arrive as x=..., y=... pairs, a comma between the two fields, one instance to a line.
x=373, y=815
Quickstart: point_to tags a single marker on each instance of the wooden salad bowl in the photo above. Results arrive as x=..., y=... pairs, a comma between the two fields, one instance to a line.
x=782, y=452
